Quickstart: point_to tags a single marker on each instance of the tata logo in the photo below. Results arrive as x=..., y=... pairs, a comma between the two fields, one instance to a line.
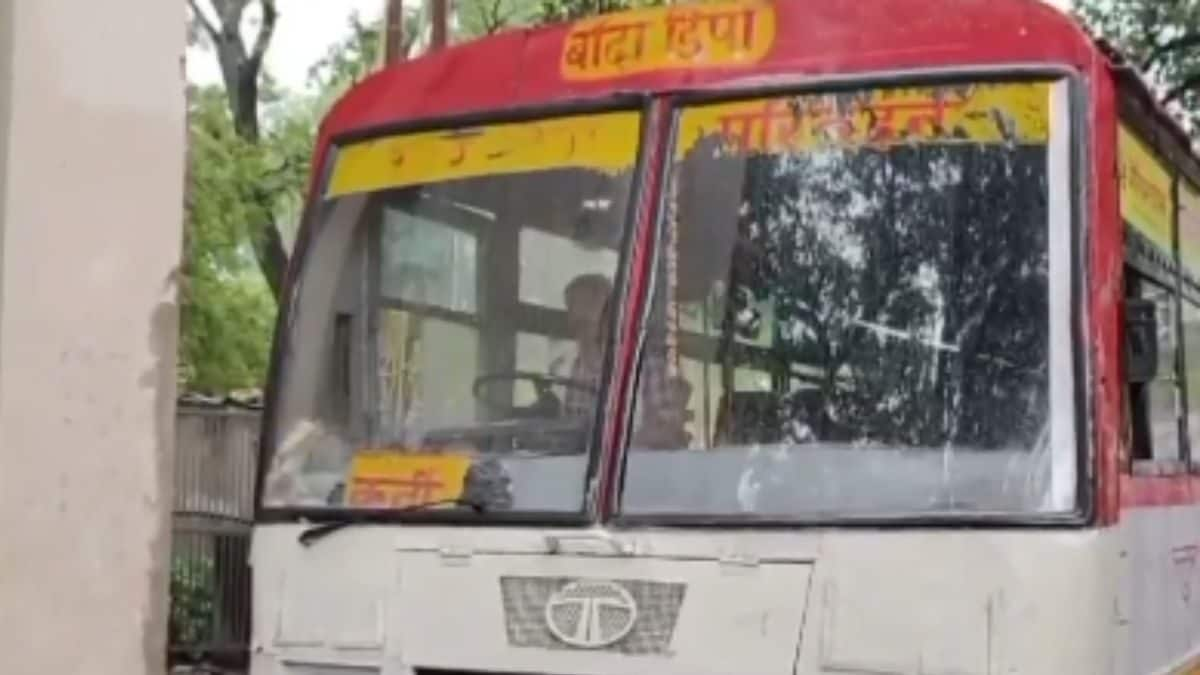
x=590, y=614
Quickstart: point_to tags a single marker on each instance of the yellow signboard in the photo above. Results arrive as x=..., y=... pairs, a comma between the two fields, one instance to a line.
x=1189, y=228
x=389, y=480
x=1145, y=189
x=605, y=142
x=709, y=35
x=992, y=113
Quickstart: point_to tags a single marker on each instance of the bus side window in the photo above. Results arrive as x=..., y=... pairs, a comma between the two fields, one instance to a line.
x=1155, y=404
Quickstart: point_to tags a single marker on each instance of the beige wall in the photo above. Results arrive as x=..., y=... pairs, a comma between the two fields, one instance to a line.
x=91, y=148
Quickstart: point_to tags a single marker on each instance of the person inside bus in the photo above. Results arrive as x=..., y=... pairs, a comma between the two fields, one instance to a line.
x=662, y=400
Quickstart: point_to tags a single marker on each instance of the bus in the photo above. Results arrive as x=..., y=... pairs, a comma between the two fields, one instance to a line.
x=741, y=338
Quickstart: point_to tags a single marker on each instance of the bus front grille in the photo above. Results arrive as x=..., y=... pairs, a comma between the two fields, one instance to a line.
x=657, y=612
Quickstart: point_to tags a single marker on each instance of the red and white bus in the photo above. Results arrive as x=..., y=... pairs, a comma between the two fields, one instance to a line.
x=741, y=338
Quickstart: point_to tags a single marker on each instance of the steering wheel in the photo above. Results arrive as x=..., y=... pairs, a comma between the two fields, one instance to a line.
x=547, y=406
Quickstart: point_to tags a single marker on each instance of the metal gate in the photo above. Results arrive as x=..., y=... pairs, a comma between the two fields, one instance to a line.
x=215, y=464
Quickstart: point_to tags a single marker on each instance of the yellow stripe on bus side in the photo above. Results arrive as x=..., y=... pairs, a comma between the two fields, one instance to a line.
x=1145, y=189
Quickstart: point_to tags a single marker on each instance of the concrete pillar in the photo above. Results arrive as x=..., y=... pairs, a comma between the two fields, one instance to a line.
x=91, y=184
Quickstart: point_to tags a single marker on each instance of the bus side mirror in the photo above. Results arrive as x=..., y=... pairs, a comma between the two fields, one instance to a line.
x=1141, y=340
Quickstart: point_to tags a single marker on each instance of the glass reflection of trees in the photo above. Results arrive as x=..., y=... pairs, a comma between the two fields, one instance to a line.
x=910, y=285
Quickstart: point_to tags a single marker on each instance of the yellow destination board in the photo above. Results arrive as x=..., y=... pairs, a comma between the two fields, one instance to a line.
x=992, y=113
x=604, y=142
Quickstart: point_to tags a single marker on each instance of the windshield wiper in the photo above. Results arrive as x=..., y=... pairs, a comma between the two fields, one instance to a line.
x=317, y=532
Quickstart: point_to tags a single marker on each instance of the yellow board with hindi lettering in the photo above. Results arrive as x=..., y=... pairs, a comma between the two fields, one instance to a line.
x=390, y=480
x=604, y=142
x=981, y=113
x=1145, y=190
x=696, y=35
x=1189, y=228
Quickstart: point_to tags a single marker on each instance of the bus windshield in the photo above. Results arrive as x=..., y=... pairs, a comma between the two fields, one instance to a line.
x=451, y=318
x=861, y=307
x=865, y=301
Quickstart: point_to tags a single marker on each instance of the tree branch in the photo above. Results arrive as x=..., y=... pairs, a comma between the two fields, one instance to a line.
x=1189, y=83
x=496, y=18
x=276, y=179
x=1180, y=43
x=266, y=239
x=203, y=20
x=487, y=17
x=230, y=12
x=270, y=14
x=272, y=257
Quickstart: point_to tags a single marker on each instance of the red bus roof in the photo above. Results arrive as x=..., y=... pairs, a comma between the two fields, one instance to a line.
x=811, y=38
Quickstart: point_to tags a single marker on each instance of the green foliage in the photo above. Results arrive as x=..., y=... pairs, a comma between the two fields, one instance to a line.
x=193, y=595
x=477, y=18
x=360, y=52
x=569, y=10
x=1161, y=37
x=227, y=310
x=354, y=57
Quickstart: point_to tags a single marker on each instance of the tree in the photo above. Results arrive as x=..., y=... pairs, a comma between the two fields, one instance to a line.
x=355, y=56
x=227, y=309
x=241, y=63
x=248, y=154
x=1162, y=38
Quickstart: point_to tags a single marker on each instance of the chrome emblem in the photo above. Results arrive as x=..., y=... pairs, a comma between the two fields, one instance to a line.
x=590, y=614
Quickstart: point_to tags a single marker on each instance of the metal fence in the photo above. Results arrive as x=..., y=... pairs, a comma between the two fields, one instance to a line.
x=215, y=463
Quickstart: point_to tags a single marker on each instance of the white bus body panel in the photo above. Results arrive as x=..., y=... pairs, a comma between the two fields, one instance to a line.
x=1161, y=580
x=915, y=602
